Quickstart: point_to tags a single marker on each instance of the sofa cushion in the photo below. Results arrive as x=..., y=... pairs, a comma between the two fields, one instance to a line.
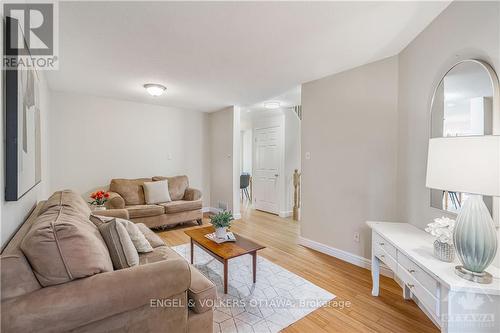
x=144, y=210
x=156, y=192
x=202, y=292
x=152, y=238
x=159, y=253
x=121, y=248
x=67, y=198
x=131, y=190
x=181, y=206
x=176, y=185
x=17, y=277
x=63, y=245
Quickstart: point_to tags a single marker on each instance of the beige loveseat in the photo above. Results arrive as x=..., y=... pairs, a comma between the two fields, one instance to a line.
x=56, y=276
x=185, y=206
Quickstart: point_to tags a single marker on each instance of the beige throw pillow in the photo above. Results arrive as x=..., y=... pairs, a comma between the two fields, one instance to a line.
x=121, y=248
x=140, y=242
x=138, y=238
x=156, y=192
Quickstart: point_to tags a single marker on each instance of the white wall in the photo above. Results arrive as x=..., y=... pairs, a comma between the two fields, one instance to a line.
x=95, y=139
x=246, y=151
x=292, y=155
x=464, y=30
x=221, y=157
x=349, y=127
x=13, y=213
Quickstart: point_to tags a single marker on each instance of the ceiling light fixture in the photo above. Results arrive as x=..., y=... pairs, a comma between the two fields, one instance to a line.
x=155, y=89
x=272, y=105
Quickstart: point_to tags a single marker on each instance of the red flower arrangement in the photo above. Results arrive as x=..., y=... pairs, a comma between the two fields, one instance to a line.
x=100, y=197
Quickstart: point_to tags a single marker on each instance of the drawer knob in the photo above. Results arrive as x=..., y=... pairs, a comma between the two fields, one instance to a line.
x=411, y=270
x=410, y=285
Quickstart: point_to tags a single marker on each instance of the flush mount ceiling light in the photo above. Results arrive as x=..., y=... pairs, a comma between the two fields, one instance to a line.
x=272, y=105
x=155, y=89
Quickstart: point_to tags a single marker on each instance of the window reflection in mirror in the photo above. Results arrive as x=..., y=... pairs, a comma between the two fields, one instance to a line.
x=462, y=106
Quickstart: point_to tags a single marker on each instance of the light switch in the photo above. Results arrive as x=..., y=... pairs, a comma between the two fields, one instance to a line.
x=308, y=155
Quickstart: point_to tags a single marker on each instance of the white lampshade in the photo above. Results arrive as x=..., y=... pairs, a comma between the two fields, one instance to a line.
x=465, y=164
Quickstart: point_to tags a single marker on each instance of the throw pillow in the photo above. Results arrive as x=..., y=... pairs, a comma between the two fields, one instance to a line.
x=156, y=192
x=141, y=244
x=121, y=248
x=139, y=240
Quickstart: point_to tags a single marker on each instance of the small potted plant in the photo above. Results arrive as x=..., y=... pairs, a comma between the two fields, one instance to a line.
x=99, y=199
x=442, y=228
x=221, y=222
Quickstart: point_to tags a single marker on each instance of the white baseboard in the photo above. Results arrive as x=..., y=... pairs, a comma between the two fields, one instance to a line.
x=285, y=214
x=344, y=255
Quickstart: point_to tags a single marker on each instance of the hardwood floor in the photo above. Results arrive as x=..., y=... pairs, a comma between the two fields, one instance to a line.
x=386, y=313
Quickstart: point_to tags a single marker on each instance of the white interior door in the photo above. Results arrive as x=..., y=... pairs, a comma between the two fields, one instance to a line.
x=267, y=159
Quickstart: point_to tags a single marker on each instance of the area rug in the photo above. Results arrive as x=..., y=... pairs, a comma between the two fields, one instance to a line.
x=278, y=299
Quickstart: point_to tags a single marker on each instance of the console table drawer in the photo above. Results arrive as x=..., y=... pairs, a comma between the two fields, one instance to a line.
x=379, y=241
x=422, y=294
x=389, y=260
x=427, y=281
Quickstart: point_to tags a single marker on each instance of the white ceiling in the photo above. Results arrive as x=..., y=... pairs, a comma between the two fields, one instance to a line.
x=211, y=55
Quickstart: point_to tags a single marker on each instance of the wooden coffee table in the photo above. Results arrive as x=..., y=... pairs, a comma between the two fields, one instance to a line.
x=224, y=251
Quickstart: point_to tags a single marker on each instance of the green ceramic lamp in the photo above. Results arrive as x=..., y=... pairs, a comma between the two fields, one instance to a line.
x=469, y=165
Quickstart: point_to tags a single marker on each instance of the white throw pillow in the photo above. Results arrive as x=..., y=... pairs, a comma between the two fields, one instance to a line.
x=156, y=192
x=140, y=242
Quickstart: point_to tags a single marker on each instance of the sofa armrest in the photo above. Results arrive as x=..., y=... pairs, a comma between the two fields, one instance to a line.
x=192, y=194
x=119, y=213
x=115, y=201
x=70, y=305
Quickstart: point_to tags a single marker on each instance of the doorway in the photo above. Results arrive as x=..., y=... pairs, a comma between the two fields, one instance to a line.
x=270, y=154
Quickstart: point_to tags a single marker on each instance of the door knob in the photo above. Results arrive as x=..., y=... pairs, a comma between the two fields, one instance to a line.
x=276, y=175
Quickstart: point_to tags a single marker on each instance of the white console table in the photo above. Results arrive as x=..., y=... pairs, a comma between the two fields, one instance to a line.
x=454, y=304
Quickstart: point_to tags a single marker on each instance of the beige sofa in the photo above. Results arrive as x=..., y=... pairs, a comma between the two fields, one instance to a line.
x=185, y=206
x=40, y=293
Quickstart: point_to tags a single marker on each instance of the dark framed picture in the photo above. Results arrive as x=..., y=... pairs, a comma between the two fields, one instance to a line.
x=22, y=121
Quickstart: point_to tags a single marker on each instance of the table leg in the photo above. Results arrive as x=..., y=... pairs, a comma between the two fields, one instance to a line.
x=375, y=275
x=225, y=276
x=254, y=265
x=192, y=251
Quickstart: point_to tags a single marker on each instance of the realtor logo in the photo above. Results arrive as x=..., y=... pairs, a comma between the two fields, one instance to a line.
x=31, y=30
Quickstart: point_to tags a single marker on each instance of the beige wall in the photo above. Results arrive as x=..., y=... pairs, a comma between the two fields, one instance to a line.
x=349, y=127
x=464, y=30
x=221, y=157
x=94, y=139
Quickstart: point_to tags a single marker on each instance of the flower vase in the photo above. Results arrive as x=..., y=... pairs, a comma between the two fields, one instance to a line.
x=221, y=233
x=99, y=207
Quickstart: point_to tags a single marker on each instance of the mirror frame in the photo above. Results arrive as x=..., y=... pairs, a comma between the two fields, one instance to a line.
x=495, y=84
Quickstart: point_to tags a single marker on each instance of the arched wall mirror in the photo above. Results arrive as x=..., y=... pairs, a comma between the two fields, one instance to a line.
x=465, y=103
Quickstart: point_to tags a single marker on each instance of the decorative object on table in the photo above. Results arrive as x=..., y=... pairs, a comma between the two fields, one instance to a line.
x=23, y=167
x=296, y=194
x=476, y=170
x=442, y=228
x=229, y=237
x=99, y=199
x=221, y=222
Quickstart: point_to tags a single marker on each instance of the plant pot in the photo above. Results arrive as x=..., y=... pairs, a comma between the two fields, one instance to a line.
x=221, y=233
x=444, y=251
x=99, y=207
